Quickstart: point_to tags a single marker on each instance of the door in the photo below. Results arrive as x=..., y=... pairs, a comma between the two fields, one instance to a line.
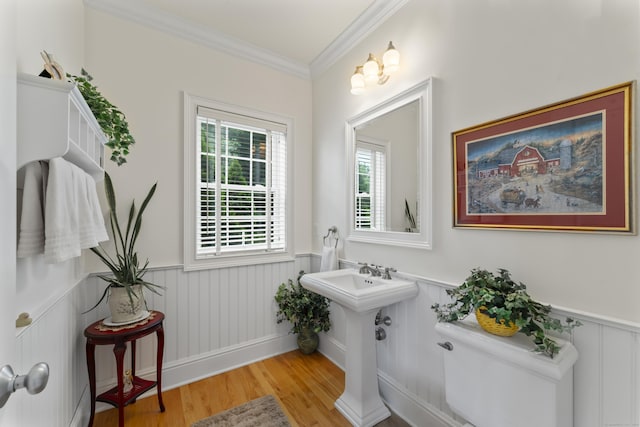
x=7, y=194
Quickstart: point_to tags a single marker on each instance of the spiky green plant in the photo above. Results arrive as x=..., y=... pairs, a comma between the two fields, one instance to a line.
x=125, y=267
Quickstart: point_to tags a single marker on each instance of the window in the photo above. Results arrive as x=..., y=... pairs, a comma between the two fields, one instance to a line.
x=370, y=182
x=237, y=174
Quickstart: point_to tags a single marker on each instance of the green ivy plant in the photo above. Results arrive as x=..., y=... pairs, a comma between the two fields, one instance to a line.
x=302, y=307
x=508, y=301
x=112, y=121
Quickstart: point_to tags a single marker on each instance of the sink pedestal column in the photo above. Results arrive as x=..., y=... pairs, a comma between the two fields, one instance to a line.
x=361, y=403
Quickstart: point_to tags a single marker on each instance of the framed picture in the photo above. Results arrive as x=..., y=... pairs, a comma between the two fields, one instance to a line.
x=563, y=167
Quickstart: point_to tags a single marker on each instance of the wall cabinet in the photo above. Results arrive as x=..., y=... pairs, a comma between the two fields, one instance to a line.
x=54, y=120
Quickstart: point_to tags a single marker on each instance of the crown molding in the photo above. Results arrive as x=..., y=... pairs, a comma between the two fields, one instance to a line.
x=365, y=24
x=162, y=21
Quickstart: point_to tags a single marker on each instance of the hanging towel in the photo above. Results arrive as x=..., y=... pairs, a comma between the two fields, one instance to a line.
x=90, y=221
x=62, y=237
x=31, y=237
x=73, y=218
x=329, y=259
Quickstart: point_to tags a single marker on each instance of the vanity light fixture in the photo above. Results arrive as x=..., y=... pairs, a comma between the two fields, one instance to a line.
x=373, y=71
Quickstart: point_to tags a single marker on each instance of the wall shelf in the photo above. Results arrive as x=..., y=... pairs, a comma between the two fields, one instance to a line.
x=54, y=120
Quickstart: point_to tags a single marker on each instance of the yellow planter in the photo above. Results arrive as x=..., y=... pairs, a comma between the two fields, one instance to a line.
x=489, y=324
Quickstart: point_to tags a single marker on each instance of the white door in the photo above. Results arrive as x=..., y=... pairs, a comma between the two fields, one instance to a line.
x=7, y=194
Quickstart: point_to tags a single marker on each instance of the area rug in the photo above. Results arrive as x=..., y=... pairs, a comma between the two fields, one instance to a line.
x=262, y=412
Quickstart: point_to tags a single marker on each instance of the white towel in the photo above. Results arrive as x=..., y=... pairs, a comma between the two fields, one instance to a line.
x=62, y=237
x=31, y=237
x=90, y=222
x=329, y=259
x=73, y=218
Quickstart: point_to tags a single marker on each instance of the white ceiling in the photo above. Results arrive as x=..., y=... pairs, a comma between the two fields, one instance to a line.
x=298, y=36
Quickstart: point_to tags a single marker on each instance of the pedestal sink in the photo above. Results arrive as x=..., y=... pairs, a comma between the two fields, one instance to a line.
x=361, y=296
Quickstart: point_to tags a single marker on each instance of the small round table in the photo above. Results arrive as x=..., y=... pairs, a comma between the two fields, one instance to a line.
x=100, y=334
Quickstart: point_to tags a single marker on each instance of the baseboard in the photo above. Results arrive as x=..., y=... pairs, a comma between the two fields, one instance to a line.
x=405, y=404
x=189, y=370
x=333, y=350
x=410, y=407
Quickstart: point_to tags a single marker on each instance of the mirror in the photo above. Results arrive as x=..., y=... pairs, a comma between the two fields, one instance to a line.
x=389, y=171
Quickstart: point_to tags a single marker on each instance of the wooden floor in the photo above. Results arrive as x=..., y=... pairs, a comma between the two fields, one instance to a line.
x=305, y=386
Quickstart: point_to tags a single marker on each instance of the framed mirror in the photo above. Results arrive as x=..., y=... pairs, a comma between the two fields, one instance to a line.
x=389, y=170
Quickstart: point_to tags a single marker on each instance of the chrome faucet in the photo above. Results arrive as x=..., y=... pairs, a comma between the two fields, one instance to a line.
x=387, y=270
x=371, y=269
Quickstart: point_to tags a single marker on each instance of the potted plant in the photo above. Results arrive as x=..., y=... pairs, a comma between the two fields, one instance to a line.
x=111, y=120
x=126, y=283
x=307, y=311
x=499, y=304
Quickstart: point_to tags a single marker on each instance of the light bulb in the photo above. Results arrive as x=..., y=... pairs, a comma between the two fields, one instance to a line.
x=357, y=82
x=371, y=70
x=391, y=59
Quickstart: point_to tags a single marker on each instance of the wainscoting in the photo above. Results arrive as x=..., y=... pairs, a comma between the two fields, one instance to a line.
x=223, y=318
x=606, y=383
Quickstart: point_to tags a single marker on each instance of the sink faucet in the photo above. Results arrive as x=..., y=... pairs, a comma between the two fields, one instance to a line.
x=387, y=270
x=371, y=269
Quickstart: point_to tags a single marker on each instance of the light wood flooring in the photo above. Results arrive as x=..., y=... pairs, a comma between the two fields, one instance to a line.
x=305, y=385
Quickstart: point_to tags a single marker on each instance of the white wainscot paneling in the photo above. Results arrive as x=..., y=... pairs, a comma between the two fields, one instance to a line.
x=215, y=320
x=219, y=319
x=411, y=374
x=606, y=375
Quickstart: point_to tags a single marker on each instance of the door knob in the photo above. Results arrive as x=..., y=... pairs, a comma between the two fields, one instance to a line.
x=35, y=381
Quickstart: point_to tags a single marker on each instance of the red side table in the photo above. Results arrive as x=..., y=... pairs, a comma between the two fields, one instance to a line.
x=100, y=334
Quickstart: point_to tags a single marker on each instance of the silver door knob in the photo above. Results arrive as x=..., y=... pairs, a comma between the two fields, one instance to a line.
x=35, y=381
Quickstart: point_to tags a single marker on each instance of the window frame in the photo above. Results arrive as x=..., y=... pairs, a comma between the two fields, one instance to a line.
x=379, y=207
x=192, y=187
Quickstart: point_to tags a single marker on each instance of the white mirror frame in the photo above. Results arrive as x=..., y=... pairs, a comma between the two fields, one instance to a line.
x=422, y=93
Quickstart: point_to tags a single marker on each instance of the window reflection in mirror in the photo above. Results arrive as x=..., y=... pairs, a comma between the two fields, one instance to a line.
x=389, y=170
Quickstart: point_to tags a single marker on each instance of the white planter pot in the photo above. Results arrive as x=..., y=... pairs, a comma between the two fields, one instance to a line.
x=120, y=304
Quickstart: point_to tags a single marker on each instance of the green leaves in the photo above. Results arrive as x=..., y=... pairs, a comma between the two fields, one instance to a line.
x=302, y=307
x=124, y=265
x=111, y=120
x=508, y=301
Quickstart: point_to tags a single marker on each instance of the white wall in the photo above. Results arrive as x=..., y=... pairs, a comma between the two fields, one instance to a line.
x=144, y=72
x=54, y=26
x=490, y=59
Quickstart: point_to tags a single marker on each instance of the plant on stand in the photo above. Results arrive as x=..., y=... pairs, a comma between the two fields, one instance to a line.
x=307, y=312
x=112, y=121
x=503, y=307
x=126, y=283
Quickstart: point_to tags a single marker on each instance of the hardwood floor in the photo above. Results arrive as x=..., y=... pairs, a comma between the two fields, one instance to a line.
x=305, y=386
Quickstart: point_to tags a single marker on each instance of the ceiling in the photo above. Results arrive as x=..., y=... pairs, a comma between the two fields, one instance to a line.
x=302, y=37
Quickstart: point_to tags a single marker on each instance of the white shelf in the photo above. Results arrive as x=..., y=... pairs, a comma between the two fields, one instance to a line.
x=54, y=120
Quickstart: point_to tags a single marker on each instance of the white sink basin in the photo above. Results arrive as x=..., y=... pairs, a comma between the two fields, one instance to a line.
x=359, y=292
x=361, y=296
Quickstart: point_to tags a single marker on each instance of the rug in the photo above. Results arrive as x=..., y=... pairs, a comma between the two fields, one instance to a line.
x=262, y=412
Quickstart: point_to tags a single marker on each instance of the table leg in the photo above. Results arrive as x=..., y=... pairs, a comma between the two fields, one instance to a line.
x=133, y=364
x=91, y=367
x=160, y=334
x=133, y=358
x=118, y=350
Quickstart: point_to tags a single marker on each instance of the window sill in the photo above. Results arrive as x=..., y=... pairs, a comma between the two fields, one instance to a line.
x=223, y=261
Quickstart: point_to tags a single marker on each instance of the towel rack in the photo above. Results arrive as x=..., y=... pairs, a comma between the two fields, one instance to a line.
x=54, y=120
x=331, y=233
